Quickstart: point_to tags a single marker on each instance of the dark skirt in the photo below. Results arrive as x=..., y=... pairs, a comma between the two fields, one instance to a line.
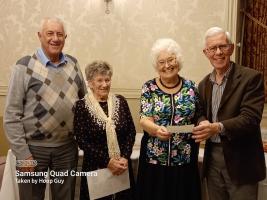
x=157, y=182
x=123, y=195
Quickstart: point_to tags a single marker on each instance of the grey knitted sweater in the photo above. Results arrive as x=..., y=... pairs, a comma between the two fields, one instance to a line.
x=39, y=104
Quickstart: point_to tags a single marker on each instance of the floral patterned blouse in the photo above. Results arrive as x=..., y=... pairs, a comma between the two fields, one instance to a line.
x=180, y=108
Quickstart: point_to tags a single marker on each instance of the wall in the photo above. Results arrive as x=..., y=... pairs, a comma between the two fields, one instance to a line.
x=123, y=37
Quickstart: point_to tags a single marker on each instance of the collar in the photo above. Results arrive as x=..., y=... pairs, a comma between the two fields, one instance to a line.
x=225, y=76
x=45, y=60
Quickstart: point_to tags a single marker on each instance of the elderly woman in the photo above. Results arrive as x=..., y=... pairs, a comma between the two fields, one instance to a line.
x=168, y=165
x=104, y=128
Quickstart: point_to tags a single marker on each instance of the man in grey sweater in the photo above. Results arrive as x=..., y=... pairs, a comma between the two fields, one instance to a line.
x=38, y=117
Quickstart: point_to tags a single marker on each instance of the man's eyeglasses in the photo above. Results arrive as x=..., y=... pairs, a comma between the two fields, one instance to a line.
x=170, y=61
x=224, y=48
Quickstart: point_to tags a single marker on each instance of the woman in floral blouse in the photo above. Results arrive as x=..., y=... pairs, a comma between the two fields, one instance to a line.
x=104, y=129
x=168, y=165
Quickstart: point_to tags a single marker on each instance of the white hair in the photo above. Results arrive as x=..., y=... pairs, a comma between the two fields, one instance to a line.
x=53, y=19
x=169, y=45
x=215, y=31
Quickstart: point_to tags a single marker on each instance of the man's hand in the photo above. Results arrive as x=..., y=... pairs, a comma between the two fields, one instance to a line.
x=27, y=165
x=205, y=130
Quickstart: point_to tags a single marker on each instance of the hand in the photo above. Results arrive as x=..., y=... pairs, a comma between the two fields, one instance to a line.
x=124, y=161
x=27, y=168
x=205, y=130
x=162, y=133
x=117, y=166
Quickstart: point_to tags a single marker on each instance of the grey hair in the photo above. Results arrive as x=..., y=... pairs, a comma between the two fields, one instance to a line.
x=53, y=19
x=215, y=31
x=97, y=67
x=169, y=45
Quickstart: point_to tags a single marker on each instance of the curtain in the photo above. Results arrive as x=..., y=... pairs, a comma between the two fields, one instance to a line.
x=254, y=49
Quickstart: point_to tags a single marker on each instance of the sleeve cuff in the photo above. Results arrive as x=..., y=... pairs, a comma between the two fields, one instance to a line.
x=21, y=153
x=222, y=129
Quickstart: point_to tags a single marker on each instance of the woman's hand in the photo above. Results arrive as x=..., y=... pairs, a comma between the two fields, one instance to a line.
x=117, y=166
x=162, y=133
x=148, y=124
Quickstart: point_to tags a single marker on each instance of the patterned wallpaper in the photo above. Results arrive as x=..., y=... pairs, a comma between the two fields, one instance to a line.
x=123, y=37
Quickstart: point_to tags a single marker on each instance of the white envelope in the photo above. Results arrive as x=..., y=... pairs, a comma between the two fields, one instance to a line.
x=105, y=183
x=180, y=129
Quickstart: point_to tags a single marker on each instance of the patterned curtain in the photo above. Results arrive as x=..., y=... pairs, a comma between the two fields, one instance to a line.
x=254, y=49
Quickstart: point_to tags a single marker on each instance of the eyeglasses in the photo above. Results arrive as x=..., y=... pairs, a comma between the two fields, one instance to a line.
x=170, y=61
x=223, y=48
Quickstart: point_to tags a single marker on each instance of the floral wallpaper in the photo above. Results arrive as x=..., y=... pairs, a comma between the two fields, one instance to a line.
x=123, y=37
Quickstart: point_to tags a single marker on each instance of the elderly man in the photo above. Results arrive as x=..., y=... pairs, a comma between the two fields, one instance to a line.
x=38, y=117
x=233, y=98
